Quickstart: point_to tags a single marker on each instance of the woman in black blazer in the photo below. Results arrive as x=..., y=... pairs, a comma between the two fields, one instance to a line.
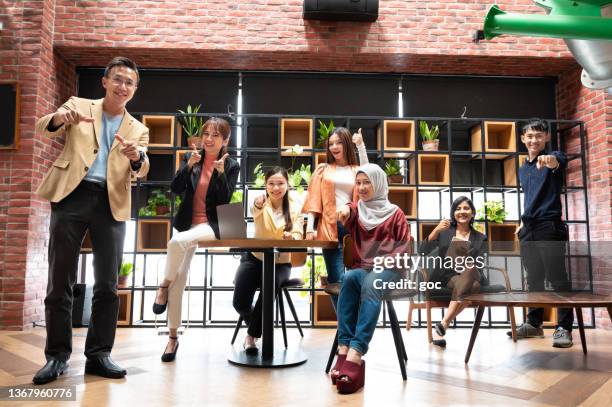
x=468, y=253
x=204, y=181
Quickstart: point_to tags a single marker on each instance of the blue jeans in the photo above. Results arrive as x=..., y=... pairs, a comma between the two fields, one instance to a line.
x=359, y=306
x=335, y=264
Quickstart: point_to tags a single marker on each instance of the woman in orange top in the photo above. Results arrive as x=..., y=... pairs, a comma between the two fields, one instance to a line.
x=333, y=185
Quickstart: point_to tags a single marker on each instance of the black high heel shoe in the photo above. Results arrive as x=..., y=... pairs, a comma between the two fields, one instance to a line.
x=170, y=356
x=160, y=308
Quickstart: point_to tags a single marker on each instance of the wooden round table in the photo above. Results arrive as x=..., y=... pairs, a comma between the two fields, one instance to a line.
x=576, y=300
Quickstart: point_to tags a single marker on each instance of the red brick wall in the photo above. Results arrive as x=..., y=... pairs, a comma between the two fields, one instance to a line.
x=43, y=41
x=46, y=78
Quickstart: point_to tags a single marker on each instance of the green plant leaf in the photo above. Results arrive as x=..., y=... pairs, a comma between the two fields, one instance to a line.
x=392, y=167
x=236, y=197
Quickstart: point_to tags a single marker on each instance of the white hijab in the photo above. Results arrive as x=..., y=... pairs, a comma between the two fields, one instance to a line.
x=378, y=209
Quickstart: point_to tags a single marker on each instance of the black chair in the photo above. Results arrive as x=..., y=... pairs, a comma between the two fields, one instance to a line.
x=400, y=348
x=292, y=282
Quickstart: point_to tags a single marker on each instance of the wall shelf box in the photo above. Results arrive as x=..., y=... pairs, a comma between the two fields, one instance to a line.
x=434, y=169
x=324, y=314
x=502, y=239
x=125, y=302
x=161, y=130
x=320, y=158
x=397, y=135
x=405, y=198
x=500, y=137
x=296, y=131
x=425, y=229
x=153, y=235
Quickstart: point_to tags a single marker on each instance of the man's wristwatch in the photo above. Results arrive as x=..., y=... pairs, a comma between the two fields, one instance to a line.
x=136, y=164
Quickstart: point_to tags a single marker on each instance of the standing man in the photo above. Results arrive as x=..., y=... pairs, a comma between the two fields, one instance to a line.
x=543, y=235
x=89, y=189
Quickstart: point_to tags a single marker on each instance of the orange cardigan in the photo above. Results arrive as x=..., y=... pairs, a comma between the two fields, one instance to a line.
x=321, y=199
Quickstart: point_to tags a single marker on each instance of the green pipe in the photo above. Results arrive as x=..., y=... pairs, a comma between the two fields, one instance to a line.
x=498, y=22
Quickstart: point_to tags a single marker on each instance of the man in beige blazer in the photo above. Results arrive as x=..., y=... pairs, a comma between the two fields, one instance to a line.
x=88, y=186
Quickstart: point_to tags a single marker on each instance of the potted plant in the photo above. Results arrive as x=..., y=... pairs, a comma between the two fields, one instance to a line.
x=494, y=211
x=124, y=272
x=429, y=136
x=158, y=204
x=323, y=133
x=192, y=125
x=260, y=176
x=320, y=273
x=394, y=172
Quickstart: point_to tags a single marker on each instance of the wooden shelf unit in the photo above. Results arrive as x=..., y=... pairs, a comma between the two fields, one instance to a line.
x=153, y=235
x=324, y=314
x=296, y=131
x=125, y=306
x=404, y=197
x=161, y=130
x=500, y=137
x=86, y=246
x=320, y=158
x=425, y=229
x=502, y=239
x=434, y=169
x=397, y=135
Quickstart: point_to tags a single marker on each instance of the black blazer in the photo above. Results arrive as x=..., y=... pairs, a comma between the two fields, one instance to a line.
x=478, y=247
x=220, y=190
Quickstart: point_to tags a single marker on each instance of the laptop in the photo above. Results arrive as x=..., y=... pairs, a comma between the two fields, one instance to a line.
x=232, y=224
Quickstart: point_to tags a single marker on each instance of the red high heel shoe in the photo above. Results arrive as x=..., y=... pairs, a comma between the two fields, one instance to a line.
x=354, y=373
x=339, y=361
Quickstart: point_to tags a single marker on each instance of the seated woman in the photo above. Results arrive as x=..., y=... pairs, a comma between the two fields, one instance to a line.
x=204, y=181
x=378, y=228
x=276, y=216
x=463, y=283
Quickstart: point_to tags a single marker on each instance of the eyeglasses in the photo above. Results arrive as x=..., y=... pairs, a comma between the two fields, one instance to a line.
x=117, y=81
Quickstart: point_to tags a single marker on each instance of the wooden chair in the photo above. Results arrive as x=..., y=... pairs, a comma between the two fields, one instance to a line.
x=400, y=348
x=440, y=298
x=297, y=260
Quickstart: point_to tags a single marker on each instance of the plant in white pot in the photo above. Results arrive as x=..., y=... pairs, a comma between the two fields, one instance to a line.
x=429, y=136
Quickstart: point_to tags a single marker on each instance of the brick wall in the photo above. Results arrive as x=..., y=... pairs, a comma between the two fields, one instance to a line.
x=43, y=42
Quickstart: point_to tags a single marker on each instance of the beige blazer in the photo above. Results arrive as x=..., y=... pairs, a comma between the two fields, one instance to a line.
x=80, y=150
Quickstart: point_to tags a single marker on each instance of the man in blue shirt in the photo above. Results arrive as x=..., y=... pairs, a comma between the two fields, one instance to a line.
x=542, y=233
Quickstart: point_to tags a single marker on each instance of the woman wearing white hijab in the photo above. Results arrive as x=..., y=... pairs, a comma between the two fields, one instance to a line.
x=378, y=228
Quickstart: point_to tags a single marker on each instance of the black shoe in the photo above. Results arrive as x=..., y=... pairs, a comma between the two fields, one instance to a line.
x=439, y=328
x=105, y=367
x=170, y=356
x=50, y=371
x=250, y=350
x=440, y=342
x=160, y=308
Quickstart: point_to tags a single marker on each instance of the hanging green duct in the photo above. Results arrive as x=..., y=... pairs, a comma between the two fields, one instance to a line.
x=585, y=25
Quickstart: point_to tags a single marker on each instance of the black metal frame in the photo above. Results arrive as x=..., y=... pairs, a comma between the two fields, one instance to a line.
x=244, y=153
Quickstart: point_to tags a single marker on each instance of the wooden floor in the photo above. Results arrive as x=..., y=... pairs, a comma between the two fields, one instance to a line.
x=500, y=373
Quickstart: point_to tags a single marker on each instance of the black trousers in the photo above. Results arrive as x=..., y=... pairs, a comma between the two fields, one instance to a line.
x=246, y=283
x=87, y=207
x=543, y=247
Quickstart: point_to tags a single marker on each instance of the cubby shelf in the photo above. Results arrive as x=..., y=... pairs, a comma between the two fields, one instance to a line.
x=397, y=135
x=179, y=158
x=425, y=229
x=502, y=238
x=320, y=158
x=296, y=131
x=405, y=198
x=125, y=300
x=153, y=235
x=499, y=137
x=161, y=130
x=324, y=314
x=86, y=246
x=433, y=169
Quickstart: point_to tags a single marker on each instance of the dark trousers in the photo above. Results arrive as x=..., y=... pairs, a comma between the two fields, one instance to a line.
x=246, y=283
x=86, y=208
x=543, y=247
